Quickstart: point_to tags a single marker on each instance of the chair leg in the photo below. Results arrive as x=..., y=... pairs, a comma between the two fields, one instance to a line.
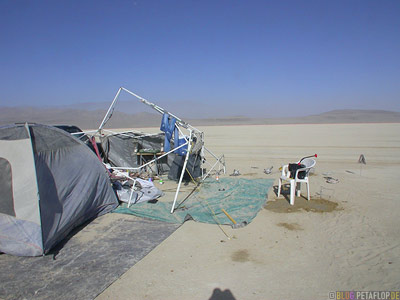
x=279, y=187
x=292, y=191
x=298, y=189
x=308, y=191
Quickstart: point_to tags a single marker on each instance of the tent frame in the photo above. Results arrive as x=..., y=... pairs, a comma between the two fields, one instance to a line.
x=180, y=125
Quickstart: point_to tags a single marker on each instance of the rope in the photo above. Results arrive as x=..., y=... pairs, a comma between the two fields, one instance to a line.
x=216, y=219
x=210, y=208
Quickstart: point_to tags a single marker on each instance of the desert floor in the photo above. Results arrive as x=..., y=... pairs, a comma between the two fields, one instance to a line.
x=306, y=251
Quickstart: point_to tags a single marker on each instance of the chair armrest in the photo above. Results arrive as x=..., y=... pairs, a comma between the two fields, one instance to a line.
x=285, y=170
x=307, y=169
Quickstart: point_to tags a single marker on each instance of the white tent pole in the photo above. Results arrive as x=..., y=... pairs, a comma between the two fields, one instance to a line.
x=180, y=131
x=212, y=168
x=209, y=151
x=133, y=188
x=125, y=133
x=183, y=171
x=220, y=159
x=161, y=110
x=152, y=161
x=161, y=156
x=156, y=107
x=109, y=111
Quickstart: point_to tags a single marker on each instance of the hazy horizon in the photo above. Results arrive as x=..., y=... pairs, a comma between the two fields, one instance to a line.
x=187, y=112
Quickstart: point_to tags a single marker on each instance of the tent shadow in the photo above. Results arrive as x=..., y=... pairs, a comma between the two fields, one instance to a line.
x=60, y=245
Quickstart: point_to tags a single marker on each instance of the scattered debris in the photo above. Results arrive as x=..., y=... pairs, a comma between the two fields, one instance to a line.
x=331, y=180
x=235, y=173
x=268, y=171
x=239, y=225
x=362, y=161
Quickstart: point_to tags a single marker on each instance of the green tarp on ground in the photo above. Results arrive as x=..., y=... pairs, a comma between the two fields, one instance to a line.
x=241, y=198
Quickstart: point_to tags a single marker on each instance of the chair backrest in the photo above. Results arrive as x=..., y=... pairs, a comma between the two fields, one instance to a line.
x=308, y=162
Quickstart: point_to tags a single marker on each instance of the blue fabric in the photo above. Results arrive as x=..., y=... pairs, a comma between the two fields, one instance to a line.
x=176, y=138
x=183, y=150
x=177, y=142
x=167, y=144
x=167, y=126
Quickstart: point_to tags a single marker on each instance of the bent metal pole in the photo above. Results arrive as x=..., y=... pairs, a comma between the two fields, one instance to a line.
x=189, y=142
x=109, y=111
x=162, y=110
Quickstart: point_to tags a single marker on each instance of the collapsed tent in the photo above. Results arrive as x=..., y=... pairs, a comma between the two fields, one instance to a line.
x=132, y=149
x=179, y=149
x=50, y=183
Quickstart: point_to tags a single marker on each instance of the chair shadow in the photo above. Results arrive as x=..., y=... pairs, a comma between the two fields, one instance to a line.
x=285, y=192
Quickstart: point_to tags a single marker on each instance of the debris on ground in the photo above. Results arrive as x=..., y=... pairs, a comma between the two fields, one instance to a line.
x=268, y=171
x=331, y=180
x=235, y=173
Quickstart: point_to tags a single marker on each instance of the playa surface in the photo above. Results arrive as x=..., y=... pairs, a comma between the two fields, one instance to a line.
x=345, y=239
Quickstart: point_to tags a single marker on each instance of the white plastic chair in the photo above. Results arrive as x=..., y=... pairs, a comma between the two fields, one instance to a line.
x=295, y=183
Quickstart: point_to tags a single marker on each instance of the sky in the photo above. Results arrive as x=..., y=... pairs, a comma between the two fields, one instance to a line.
x=214, y=58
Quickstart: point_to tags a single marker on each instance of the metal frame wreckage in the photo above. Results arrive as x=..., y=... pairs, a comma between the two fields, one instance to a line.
x=187, y=140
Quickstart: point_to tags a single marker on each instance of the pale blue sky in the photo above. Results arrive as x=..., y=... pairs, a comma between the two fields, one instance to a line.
x=266, y=58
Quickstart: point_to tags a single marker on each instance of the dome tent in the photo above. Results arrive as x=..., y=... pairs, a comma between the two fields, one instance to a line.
x=50, y=183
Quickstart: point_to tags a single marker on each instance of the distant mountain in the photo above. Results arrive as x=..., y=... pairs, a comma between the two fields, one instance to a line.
x=334, y=116
x=85, y=119
x=187, y=109
x=358, y=116
x=91, y=119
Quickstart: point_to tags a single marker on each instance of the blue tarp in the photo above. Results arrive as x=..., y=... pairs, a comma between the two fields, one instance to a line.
x=167, y=125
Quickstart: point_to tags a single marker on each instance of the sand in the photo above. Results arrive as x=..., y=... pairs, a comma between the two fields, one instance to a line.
x=346, y=238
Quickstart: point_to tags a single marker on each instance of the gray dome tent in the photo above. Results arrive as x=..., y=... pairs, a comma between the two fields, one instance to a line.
x=50, y=183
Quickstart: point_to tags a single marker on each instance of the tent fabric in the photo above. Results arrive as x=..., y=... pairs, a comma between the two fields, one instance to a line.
x=242, y=198
x=119, y=149
x=193, y=168
x=122, y=149
x=24, y=189
x=20, y=237
x=147, y=192
x=57, y=184
x=7, y=205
